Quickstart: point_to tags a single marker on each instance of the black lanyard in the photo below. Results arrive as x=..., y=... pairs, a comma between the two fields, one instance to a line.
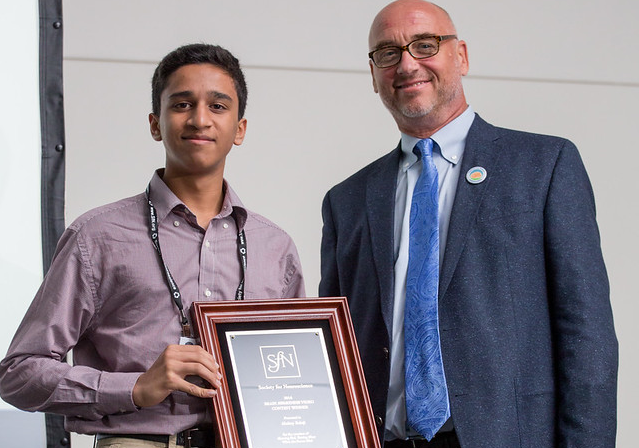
x=173, y=287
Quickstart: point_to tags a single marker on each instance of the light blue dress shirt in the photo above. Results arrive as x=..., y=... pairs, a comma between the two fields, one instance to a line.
x=448, y=151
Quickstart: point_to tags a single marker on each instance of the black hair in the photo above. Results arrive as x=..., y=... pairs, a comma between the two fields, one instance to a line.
x=198, y=54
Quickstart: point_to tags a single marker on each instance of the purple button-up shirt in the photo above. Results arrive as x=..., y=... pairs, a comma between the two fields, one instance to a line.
x=105, y=297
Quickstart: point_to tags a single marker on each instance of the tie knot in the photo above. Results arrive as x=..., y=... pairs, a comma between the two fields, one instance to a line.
x=424, y=148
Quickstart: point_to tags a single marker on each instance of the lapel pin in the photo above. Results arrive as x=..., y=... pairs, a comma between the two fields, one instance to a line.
x=476, y=175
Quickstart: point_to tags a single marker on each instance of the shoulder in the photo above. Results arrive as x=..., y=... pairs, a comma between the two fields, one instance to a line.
x=526, y=164
x=516, y=140
x=109, y=214
x=264, y=228
x=93, y=233
x=275, y=269
x=255, y=225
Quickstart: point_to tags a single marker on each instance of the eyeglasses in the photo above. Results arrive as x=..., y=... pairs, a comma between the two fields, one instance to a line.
x=421, y=48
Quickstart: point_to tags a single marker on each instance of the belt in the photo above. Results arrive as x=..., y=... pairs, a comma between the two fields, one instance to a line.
x=190, y=438
x=446, y=439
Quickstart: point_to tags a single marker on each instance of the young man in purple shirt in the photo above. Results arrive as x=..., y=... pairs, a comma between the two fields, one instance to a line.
x=125, y=274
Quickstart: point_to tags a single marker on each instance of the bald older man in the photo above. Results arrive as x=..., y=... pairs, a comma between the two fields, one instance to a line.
x=516, y=344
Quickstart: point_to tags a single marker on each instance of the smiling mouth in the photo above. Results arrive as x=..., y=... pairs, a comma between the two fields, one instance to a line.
x=411, y=84
x=197, y=138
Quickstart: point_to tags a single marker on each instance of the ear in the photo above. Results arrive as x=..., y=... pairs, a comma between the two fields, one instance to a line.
x=154, y=125
x=462, y=55
x=241, y=132
x=370, y=64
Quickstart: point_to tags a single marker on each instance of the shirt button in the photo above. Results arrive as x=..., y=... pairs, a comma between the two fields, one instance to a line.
x=225, y=225
x=207, y=293
x=207, y=243
x=176, y=223
x=454, y=157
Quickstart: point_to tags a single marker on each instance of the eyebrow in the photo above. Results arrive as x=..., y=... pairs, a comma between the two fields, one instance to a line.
x=390, y=43
x=213, y=93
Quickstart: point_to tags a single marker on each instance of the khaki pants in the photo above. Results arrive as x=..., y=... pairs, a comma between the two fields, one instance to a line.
x=123, y=442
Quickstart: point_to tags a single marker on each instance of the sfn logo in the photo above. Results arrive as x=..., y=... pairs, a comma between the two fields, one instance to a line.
x=280, y=361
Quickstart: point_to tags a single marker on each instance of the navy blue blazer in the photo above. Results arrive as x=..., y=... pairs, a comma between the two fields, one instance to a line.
x=527, y=335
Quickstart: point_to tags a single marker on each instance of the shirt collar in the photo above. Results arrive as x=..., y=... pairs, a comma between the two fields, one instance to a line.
x=165, y=201
x=451, y=140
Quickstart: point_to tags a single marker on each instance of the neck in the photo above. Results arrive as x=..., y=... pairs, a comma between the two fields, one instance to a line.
x=202, y=195
x=426, y=126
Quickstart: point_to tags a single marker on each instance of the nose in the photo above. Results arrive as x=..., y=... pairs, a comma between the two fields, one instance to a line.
x=407, y=63
x=200, y=116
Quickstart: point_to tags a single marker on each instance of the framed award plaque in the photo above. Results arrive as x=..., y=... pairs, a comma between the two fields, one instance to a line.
x=292, y=375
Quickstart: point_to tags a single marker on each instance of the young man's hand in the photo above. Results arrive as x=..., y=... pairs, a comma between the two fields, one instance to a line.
x=168, y=373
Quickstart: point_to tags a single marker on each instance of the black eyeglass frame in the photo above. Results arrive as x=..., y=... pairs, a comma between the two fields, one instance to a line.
x=403, y=48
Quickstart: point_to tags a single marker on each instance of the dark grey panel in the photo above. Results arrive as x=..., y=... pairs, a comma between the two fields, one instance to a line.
x=53, y=145
x=52, y=126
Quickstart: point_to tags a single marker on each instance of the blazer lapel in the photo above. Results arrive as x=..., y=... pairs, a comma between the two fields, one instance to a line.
x=380, y=206
x=482, y=151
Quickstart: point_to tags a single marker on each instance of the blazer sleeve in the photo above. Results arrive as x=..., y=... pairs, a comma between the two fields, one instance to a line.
x=585, y=345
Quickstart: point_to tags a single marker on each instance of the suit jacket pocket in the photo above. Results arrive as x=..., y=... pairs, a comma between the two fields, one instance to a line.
x=536, y=415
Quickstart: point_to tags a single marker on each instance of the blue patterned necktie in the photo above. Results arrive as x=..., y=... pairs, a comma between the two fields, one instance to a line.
x=427, y=406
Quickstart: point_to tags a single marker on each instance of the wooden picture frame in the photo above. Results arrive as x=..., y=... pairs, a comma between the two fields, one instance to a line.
x=314, y=340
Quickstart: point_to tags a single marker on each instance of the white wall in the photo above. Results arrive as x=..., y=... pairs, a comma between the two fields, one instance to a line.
x=20, y=236
x=560, y=67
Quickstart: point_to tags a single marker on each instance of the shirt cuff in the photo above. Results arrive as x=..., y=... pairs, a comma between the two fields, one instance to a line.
x=115, y=392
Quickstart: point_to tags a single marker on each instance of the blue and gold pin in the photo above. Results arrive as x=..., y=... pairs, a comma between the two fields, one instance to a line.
x=476, y=175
